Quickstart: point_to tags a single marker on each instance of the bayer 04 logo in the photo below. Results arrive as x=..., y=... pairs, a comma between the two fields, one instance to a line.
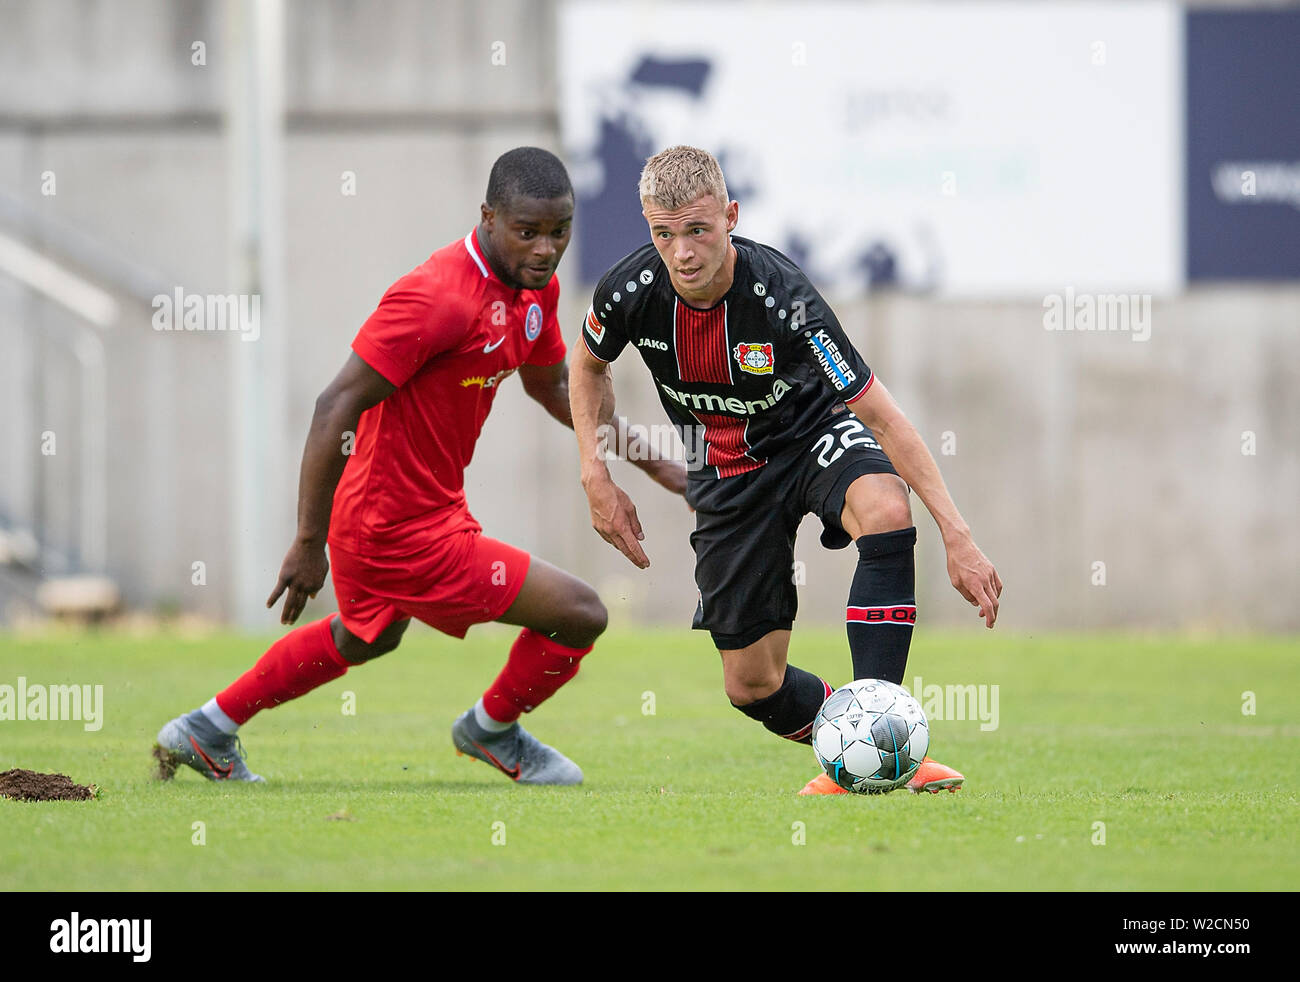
x=870, y=736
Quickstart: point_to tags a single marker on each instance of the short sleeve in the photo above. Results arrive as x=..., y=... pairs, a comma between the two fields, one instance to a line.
x=549, y=349
x=823, y=344
x=409, y=327
x=603, y=331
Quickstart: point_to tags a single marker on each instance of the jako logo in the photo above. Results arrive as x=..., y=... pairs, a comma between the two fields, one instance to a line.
x=75, y=936
x=652, y=343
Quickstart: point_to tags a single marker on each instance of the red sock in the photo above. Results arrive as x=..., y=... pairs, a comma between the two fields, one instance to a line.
x=293, y=666
x=537, y=667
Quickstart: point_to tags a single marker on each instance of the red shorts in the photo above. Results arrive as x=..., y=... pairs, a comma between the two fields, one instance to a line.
x=460, y=579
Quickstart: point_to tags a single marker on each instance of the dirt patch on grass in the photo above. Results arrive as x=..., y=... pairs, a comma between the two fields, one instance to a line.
x=25, y=785
x=166, y=769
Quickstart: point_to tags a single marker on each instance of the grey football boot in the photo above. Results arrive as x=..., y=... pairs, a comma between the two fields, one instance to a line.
x=192, y=739
x=515, y=752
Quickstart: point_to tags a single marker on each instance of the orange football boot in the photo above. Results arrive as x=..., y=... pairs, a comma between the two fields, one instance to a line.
x=934, y=777
x=822, y=784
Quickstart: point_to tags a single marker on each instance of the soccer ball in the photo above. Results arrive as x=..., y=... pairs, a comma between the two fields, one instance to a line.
x=870, y=736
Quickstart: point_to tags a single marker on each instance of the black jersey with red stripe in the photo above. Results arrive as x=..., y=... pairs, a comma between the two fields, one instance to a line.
x=753, y=375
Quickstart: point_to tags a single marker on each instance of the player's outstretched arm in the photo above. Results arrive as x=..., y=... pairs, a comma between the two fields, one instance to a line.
x=970, y=572
x=591, y=401
x=549, y=385
x=354, y=390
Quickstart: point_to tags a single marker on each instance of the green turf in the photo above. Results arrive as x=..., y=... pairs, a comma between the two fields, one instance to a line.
x=1145, y=736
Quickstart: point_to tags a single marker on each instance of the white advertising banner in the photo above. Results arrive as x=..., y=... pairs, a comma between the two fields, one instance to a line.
x=972, y=149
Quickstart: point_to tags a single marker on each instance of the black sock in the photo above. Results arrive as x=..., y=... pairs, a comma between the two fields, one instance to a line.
x=882, y=605
x=788, y=712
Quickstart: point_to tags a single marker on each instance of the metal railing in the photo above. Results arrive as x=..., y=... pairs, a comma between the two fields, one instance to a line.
x=86, y=277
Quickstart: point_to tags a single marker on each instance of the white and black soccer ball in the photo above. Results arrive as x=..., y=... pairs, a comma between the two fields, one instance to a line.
x=870, y=736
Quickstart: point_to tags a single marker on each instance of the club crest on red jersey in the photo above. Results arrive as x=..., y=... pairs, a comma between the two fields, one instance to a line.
x=533, y=322
x=756, y=359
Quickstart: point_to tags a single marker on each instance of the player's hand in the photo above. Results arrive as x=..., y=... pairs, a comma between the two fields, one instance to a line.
x=974, y=577
x=614, y=516
x=302, y=574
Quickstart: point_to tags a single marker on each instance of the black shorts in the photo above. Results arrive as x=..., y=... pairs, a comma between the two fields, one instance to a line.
x=745, y=529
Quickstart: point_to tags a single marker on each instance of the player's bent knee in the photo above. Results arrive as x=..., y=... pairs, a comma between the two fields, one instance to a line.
x=578, y=622
x=884, y=510
x=382, y=647
x=389, y=638
x=587, y=619
x=744, y=691
x=357, y=652
x=599, y=619
x=895, y=513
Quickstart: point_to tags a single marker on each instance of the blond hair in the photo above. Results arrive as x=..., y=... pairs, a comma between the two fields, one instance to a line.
x=675, y=177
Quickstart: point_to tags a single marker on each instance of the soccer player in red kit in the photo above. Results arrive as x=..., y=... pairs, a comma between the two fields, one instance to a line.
x=415, y=391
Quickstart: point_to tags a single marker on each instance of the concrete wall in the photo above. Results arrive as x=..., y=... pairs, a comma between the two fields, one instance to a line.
x=1071, y=449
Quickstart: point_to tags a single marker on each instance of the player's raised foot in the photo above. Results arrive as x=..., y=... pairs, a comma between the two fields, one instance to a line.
x=515, y=752
x=934, y=777
x=822, y=784
x=193, y=740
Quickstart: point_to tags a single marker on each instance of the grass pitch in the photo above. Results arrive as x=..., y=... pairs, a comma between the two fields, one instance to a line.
x=1116, y=764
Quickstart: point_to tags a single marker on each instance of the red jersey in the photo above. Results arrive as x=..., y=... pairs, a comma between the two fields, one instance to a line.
x=446, y=335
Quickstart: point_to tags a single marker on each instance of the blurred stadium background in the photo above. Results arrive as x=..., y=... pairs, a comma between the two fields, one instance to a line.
x=945, y=170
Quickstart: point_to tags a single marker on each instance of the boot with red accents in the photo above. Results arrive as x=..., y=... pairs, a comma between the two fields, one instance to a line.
x=934, y=777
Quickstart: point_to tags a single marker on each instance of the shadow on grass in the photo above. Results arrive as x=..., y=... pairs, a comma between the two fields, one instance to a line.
x=288, y=787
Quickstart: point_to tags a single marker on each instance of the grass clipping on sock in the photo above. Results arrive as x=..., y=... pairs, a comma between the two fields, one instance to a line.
x=25, y=785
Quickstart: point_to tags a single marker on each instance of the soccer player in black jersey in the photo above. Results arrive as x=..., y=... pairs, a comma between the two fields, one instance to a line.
x=781, y=417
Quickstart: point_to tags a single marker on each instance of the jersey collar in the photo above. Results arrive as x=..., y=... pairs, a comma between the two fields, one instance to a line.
x=476, y=254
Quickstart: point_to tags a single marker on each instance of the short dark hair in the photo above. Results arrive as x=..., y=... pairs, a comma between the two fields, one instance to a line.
x=529, y=172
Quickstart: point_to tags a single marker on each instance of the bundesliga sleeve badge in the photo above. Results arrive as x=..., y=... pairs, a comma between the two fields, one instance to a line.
x=756, y=359
x=594, y=327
